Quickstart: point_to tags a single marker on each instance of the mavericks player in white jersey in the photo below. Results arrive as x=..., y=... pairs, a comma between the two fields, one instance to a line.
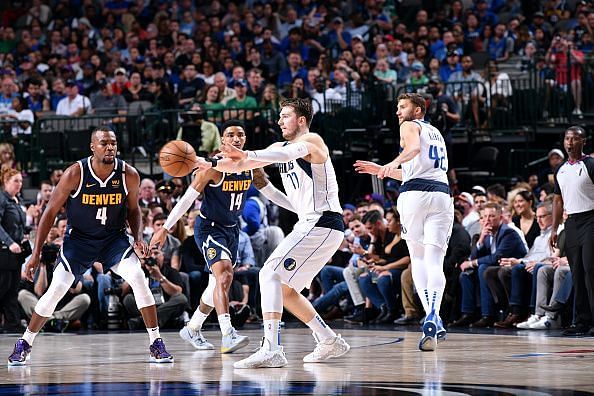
x=425, y=206
x=311, y=192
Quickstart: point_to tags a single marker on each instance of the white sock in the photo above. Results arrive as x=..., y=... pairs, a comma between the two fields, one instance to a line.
x=153, y=334
x=197, y=320
x=322, y=330
x=29, y=336
x=225, y=323
x=272, y=333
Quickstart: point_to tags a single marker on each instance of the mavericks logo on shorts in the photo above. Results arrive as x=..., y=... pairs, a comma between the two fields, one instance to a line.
x=402, y=228
x=290, y=264
x=211, y=253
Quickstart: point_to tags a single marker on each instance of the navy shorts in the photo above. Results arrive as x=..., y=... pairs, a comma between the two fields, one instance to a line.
x=78, y=254
x=213, y=239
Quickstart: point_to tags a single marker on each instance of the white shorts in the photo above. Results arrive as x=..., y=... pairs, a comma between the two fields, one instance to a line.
x=303, y=253
x=426, y=217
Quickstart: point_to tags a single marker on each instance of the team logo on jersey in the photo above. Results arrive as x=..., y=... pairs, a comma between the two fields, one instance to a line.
x=403, y=228
x=115, y=183
x=211, y=253
x=290, y=264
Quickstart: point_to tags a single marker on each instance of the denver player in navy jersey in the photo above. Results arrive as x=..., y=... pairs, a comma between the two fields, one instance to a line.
x=217, y=236
x=101, y=196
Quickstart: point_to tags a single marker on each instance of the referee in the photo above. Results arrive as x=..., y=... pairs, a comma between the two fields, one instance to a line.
x=574, y=192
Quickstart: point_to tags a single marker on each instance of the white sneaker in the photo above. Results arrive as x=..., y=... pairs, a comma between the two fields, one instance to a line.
x=331, y=348
x=195, y=338
x=546, y=323
x=263, y=358
x=529, y=322
x=233, y=341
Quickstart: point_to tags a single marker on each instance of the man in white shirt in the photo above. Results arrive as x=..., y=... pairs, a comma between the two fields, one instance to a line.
x=465, y=204
x=73, y=104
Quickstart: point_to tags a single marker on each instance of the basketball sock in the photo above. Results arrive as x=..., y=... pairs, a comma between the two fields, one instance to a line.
x=225, y=323
x=419, y=272
x=197, y=320
x=272, y=333
x=153, y=334
x=435, y=277
x=322, y=330
x=29, y=336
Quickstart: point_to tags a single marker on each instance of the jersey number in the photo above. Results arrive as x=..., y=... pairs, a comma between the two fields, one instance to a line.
x=236, y=201
x=102, y=215
x=437, y=154
x=294, y=179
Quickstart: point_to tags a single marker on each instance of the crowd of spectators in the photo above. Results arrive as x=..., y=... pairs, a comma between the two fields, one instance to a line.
x=226, y=59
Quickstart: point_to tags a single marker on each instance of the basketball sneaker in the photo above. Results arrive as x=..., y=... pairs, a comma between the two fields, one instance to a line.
x=263, y=358
x=428, y=343
x=232, y=341
x=430, y=326
x=195, y=338
x=331, y=348
x=441, y=331
x=158, y=353
x=20, y=354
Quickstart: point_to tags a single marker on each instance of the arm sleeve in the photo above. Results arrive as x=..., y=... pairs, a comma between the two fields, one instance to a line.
x=251, y=215
x=589, y=162
x=186, y=201
x=557, y=189
x=280, y=153
x=277, y=197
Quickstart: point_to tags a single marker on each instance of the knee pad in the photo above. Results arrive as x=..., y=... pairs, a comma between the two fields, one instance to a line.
x=61, y=281
x=270, y=289
x=131, y=271
x=208, y=294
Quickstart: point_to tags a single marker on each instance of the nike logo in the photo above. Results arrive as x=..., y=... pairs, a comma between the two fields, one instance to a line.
x=89, y=185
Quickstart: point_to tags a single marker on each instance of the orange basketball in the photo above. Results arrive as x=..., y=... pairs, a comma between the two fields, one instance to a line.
x=177, y=158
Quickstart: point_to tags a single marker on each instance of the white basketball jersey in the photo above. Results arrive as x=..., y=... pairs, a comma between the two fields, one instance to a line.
x=311, y=188
x=432, y=161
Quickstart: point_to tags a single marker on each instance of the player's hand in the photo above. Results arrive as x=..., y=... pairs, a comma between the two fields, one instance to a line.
x=31, y=267
x=141, y=249
x=387, y=170
x=158, y=239
x=553, y=240
x=232, y=152
x=367, y=167
x=202, y=164
x=15, y=248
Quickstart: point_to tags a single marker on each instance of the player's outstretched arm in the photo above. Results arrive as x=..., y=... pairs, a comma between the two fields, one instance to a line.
x=134, y=215
x=69, y=183
x=372, y=168
x=411, y=146
x=227, y=165
x=274, y=153
x=262, y=183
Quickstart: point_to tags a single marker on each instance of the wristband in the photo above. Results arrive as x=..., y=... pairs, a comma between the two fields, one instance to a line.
x=213, y=160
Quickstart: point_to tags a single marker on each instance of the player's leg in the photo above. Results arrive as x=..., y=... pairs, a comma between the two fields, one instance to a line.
x=61, y=282
x=131, y=271
x=192, y=331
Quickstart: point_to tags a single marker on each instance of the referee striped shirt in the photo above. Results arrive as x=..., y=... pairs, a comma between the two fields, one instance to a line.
x=574, y=181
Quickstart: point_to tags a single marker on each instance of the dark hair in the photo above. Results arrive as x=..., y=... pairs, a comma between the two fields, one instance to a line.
x=22, y=102
x=302, y=107
x=577, y=129
x=159, y=216
x=497, y=190
x=415, y=99
x=373, y=216
x=100, y=129
x=490, y=205
x=527, y=196
x=232, y=123
x=49, y=183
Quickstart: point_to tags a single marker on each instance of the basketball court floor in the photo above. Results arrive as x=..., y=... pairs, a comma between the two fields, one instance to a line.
x=381, y=362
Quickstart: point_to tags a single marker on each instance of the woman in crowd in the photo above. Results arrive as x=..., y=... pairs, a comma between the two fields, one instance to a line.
x=212, y=104
x=13, y=247
x=524, y=217
x=7, y=158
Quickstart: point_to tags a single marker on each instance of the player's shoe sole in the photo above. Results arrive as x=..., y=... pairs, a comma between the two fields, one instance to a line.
x=428, y=343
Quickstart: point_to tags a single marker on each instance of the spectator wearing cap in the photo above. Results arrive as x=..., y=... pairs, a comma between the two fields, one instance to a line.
x=241, y=106
x=73, y=104
x=470, y=218
x=57, y=92
x=294, y=69
x=136, y=92
x=556, y=157
x=120, y=82
x=417, y=76
x=451, y=66
x=37, y=102
x=164, y=190
x=190, y=86
x=337, y=35
x=105, y=102
x=539, y=22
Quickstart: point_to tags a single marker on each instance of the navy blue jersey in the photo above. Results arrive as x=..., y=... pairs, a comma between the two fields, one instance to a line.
x=98, y=208
x=223, y=202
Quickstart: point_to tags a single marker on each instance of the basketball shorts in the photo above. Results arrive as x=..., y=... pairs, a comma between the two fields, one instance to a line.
x=216, y=242
x=426, y=217
x=303, y=253
x=78, y=254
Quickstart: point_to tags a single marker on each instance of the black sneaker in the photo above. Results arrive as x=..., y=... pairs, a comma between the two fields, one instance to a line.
x=577, y=331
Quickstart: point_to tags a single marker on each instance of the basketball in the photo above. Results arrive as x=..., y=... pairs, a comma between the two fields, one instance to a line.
x=177, y=158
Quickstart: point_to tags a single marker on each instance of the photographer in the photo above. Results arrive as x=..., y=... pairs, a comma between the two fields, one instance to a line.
x=201, y=134
x=167, y=287
x=13, y=246
x=71, y=308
